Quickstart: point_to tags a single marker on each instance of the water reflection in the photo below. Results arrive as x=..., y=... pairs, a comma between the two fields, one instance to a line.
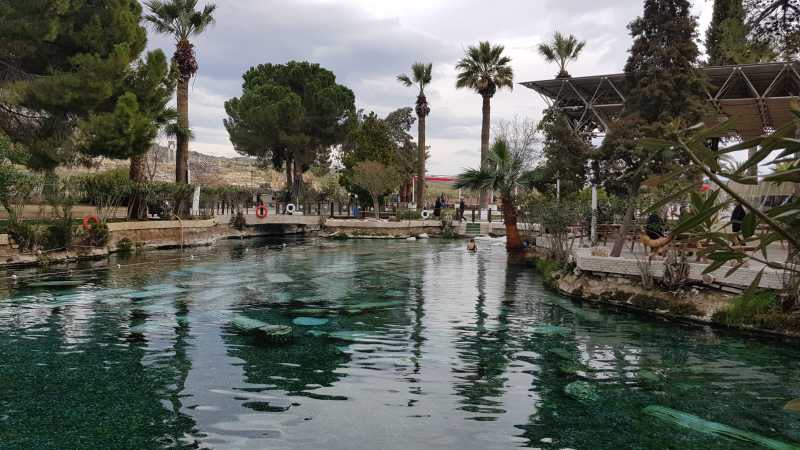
x=425, y=346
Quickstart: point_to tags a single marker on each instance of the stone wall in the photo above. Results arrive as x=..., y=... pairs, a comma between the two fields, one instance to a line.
x=771, y=279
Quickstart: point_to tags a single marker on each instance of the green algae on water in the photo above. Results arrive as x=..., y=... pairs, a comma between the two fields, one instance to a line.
x=695, y=423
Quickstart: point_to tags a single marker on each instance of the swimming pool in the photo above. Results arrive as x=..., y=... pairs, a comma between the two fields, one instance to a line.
x=395, y=345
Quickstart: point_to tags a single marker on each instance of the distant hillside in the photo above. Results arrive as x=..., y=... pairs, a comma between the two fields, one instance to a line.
x=204, y=169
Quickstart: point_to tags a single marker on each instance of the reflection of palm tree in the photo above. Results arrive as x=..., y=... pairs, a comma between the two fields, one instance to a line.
x=483, y=352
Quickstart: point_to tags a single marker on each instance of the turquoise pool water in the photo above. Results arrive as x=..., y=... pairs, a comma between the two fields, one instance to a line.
x=396, y=345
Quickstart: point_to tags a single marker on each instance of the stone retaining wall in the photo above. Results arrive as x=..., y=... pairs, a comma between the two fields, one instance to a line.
x=743, y=277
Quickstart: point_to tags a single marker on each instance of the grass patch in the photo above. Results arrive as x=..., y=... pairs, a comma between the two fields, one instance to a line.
x=747, y=307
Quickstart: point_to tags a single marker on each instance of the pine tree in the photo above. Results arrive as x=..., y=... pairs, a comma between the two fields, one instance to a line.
x=60, y=62
x=665, y=92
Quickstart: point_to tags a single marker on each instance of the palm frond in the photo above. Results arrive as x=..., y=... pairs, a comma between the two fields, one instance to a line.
x=405, y=80
x=474, y=179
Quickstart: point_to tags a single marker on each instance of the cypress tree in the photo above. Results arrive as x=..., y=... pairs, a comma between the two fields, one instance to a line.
x=665, y=92
x=663, y=84
x=727, y=37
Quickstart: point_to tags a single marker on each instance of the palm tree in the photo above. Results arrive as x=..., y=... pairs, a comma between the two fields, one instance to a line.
x=561, y=50
x=182, y=20
x=421, y=76
x=485, y=70
x=504, y=171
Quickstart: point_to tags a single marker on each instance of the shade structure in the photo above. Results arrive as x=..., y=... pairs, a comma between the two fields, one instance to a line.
x=755, y=96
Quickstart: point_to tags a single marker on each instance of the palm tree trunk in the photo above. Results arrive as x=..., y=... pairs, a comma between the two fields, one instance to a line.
x=182, y=153
x=377, y=204
x=616, y=251
x=487, y=112
x=289, y=179
x=420, y=194
x=513, y=240
x=297, y=190
x=137, y=208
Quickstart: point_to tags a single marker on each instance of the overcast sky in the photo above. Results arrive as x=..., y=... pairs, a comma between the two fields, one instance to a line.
x=367, y=43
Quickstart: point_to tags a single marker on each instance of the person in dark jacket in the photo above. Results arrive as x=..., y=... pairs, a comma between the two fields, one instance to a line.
x=737, y=218
x=655, y=226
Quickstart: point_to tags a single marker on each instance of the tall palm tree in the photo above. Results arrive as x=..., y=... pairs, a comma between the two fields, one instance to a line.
x=484, y=69
x=182, y=20
x=504, y=171
x=420, y=76
x=561, y=50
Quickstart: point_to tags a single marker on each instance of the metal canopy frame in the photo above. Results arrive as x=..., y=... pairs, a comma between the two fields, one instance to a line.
x=755, y=96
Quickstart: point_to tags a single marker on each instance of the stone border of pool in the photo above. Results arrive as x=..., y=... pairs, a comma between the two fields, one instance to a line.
x=693, y=305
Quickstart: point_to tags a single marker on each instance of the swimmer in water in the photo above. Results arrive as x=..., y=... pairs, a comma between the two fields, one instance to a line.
x=472, y=246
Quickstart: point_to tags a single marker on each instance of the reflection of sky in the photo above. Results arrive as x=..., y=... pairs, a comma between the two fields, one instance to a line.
x=459, y=365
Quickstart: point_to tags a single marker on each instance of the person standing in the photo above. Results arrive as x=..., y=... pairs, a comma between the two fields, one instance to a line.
x=437, y=207
x=461, y=208
x=737, y=218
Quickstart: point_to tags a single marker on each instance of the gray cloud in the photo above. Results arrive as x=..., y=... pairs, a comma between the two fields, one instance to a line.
x=367, y=43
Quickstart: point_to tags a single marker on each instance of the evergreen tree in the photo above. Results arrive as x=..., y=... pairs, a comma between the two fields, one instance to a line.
x=727, y=37
x=566, y=155
x=666, y=93
x=61, y=62
x=289, y=115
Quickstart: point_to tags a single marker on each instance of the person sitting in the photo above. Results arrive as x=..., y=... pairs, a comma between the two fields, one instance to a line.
x=654, y=227
x=472, y=246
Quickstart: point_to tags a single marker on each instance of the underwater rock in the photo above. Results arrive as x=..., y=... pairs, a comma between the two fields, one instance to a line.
x=648, y=376
x=571, y=368
x=55, y=284
x=792, y=406
x=695, y=423
x=371, y=306
x=253, y=327
x=582, y=391
x=561, y=353
x=309, y=321
x=313, y=312
x=346, y=336
x=423, y=236
x=550, y=330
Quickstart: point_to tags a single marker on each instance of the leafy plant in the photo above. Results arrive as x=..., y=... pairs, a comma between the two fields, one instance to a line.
x=238, y=221
x=408, y=214
x=29, y=237
x=781, y=223
x=106, y=191
x=125, y=245
x=745, y=308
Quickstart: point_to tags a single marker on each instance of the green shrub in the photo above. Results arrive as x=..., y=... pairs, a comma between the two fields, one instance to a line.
x=125, y=245
x=96, y=235
x=28, y=236
x=60, y=233
x=745, y=308
x=409, y=214
x=238, y=221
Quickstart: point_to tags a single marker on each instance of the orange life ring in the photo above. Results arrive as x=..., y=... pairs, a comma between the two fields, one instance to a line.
x=87, y=219
x=261, y=211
